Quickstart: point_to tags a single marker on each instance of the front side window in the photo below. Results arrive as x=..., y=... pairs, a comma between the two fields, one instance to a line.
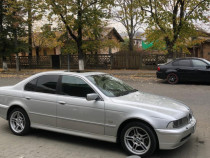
x=110, y=85
x=31, y=86
x=74, y=86
x=199, y=63
x=185, y=63
x=47, y=84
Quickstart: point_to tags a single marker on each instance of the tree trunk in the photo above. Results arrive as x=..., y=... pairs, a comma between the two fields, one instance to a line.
x=17, y=62
x=5, y=68
x=37, y=51
x=37, y=55
x=79, y=38
x=131, y=43
x=169, y=46
x=2, y=48
x=16, y=51
x=29, y=29
x=80, y=57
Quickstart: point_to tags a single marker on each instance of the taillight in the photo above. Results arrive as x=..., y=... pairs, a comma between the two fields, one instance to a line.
x=158, y=68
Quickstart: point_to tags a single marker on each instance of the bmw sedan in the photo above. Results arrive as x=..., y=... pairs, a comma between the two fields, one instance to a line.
x=185, y=69
x=99, y=106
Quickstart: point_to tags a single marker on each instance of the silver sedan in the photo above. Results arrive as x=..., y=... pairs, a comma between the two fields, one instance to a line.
x=99, y=106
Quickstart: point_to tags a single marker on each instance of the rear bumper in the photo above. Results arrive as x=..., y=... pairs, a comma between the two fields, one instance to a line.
x=173, y=138
x=160, y=75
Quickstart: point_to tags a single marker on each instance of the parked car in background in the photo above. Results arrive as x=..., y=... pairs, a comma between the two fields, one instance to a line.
x=98, y=106
x=185, y=69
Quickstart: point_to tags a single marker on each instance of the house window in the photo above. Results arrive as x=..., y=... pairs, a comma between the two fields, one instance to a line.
x=208, y=53
x=45, y=51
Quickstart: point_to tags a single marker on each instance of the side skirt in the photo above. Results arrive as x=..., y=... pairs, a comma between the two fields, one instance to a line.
x=75, y=133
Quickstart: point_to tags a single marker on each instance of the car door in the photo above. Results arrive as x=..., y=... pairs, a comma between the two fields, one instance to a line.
x=185, y=70
x=202, y=73
x=40, y=98
x=74, y=112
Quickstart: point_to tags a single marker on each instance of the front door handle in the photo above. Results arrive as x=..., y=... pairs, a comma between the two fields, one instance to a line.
x=28, y=98
x=61, y=102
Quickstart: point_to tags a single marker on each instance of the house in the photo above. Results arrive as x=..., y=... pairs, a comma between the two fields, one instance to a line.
x=51, y=46
x=110, y=33
x=202, y=50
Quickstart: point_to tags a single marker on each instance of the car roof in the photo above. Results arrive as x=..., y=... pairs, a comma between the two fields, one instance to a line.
x=78, y=73
x=188, y=58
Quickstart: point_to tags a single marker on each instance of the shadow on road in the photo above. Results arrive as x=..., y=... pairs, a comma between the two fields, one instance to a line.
x=184, y=83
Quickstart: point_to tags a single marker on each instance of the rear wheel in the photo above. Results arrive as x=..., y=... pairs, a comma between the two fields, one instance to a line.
x=19, y=122
x=138, y=139
x=172, y=78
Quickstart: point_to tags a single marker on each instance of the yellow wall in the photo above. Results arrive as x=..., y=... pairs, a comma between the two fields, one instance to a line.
x=49, y=51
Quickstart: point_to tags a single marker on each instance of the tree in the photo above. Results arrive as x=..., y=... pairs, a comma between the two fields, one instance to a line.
x=34, y=10
x=78, y=16
x=12, y=28
x=173, y=20
x=90, y=45
x=45, y=38
x=130, y=15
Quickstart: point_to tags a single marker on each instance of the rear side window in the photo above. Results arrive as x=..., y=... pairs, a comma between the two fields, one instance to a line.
x=185, y=63
x=31, y=86
x=74, y=86
x=176, y=63
x=47, y=84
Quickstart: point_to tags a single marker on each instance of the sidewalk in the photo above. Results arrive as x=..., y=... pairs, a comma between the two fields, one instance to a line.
x=123, y=72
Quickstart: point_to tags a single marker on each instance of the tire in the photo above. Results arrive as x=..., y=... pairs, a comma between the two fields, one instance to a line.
x=19, y=122
x=138, y=139
x=172, y=78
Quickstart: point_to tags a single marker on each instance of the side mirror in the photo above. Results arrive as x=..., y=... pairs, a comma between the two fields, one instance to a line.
x=92, y=96
x=208, y=66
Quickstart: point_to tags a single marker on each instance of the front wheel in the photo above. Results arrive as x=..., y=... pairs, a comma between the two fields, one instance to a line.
x=19, y=122
x=138, y=139
x=172, y=78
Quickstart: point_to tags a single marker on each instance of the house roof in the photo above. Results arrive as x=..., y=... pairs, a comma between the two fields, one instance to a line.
x=107, y=31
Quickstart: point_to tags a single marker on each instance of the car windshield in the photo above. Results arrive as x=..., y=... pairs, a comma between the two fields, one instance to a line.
x=111, y=86
x=207, y=61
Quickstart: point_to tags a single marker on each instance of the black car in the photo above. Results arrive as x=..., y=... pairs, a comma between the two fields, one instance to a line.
x=185, y=69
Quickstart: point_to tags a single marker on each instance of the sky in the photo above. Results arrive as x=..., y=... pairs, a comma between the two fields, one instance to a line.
x=121, y=29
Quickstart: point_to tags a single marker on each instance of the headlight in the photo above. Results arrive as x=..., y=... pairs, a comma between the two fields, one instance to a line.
x=180, y=123
x=174, y=124
x=170, y=125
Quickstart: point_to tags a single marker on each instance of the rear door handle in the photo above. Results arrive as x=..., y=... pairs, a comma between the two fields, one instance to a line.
x=61, y=102
x=28, y=98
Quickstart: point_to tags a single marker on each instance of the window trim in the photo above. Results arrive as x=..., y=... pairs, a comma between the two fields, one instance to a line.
x=56, y=91
x=60, y=87
x=36, y=78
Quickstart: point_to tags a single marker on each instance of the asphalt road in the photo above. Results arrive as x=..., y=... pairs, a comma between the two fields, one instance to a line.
x=44, y=144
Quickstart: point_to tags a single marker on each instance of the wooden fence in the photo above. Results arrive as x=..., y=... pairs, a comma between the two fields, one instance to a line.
x=137, y=60
x=99, y=61
x=27, y=62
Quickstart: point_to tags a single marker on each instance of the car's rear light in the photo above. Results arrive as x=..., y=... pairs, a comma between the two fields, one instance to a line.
x=158, y=68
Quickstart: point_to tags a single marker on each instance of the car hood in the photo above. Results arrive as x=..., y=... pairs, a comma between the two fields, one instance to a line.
x=155, y=103
x=6, y=87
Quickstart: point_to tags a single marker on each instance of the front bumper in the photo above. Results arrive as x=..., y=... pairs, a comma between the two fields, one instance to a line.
x=173, y=138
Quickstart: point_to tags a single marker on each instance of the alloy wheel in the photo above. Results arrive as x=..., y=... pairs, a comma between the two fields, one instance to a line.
x=17, y=122
x=137, y=140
